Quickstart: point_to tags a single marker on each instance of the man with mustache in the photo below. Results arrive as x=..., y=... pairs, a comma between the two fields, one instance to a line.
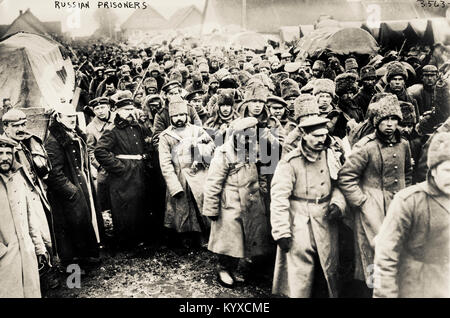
x=305, y=206
x=21, y=247
x=378, y=167
x=123, y=150
x=184, y=154
x=78, y=223
x=30, y=153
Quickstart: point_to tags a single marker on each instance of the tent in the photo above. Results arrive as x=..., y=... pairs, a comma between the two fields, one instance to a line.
x=339, y=40
x=33, y=72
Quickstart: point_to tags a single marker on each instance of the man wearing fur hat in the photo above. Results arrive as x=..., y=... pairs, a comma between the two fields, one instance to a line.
x=184, y=153
x=368, y=79
x=423, y=93
x=413, y=244
x=239, y=228
x=351, y=114
x=318, y=68
x=218, y=125
x=305, y=205
x=290, y=90
x=123, y=150
x=396, y=77
x=351, y=66
x=150, y=86
x=378, y=167
x=162, y=119
x=78, y=223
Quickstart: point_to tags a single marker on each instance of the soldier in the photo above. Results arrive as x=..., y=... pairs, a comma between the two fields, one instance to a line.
x=234, y=202
x=368, y=78
x=378, y=167
x=184, y=152
x=423, y=93
x=278, y=108
x=305, y=203
x=195, y=99
x=123, y=151
x=413, y=244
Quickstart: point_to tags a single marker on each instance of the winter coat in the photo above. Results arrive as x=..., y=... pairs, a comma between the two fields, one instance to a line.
x=78, y=223
x=94, y=131
x=127, y=178
x=413, y=245
x=20, y=239
x=213, y=127
x=371, y=175
x=423, y=97
x=362, y=99
x=175, y=159
x=298, y=177
x=232, y=192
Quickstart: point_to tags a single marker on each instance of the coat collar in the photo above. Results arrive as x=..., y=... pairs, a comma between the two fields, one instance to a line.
x=121, y=123
x=62, y=137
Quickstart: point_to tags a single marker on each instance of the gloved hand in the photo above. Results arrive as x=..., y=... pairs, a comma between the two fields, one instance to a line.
x=285, y=244
x=333, y=213
x=213, y=217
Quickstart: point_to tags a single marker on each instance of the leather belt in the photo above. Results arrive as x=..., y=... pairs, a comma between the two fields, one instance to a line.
x=130, y=157
x=316, y=200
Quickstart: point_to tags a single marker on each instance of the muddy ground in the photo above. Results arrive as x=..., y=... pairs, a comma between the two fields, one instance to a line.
x=156, y=272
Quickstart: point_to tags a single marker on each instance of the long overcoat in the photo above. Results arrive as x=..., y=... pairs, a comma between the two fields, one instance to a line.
x=413, y=246
x=127, y=178
x=78, y=223
x=175, y=158
x=20, y=239
x=298, y=177
x=371, y=175
x=232, y=192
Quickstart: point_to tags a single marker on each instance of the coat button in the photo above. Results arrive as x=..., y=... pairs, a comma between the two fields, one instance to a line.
x=395, y=167
x=395, y=180
x=395, y=155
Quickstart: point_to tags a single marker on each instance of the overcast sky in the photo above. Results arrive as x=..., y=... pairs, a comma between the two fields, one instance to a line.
x=45, y=11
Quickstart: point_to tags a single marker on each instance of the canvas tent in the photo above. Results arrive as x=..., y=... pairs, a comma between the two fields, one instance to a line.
x=33, y=72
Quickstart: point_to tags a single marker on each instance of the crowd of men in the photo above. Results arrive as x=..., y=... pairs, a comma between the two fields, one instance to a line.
x=331, y=173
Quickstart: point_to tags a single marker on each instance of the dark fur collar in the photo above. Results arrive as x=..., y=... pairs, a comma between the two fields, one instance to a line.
x=60, y=134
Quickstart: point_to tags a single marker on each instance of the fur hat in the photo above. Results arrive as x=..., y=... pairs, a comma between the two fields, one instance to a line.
x=243, y=77
x=264, y=64
x=319, y=65
x=175, y=75
x=323, y=85
x=288, y=88
x=439, y=149
x=221, y=74
x=429, y=69
x=350, y=64
x=150, y=82
x=277, y=78
x=203, y=67
x=394, y=69
x=305, y=105
x=225, y=98
x=408, y=113
x=177, y=106
x=345, y=83
x=387, y=106
x=256, y=92
x=367, y=72
x=233, y=65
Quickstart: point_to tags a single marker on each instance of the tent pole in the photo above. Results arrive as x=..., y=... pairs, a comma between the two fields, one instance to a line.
x=205, y=8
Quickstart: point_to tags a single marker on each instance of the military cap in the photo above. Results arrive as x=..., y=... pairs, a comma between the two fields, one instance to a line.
x=272, y=99
x=367, y=72
x=124, y=102
x=14, y=116
x=7, y=142
x=429, y=69
x=194, y=94
x=99, y=101
x=169, y=85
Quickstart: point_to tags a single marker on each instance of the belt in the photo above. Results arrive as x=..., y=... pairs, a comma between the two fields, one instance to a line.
x=130, y=157
x=316, y=200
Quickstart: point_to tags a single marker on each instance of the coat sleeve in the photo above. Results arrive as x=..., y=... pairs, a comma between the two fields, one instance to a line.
x=104, y=155
x=34, y=225
x=91, y=142
x=205, y=146
x=57, y=180
x=338, y=198
x=195, y=120
x=350, y=175
x=217, y=174
x=282, y=186
x=389, y=244
x=159, y=125
x=408, y=166
x=168, y=170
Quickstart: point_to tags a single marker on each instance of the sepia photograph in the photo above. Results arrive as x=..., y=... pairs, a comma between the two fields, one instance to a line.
x=224, y=156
